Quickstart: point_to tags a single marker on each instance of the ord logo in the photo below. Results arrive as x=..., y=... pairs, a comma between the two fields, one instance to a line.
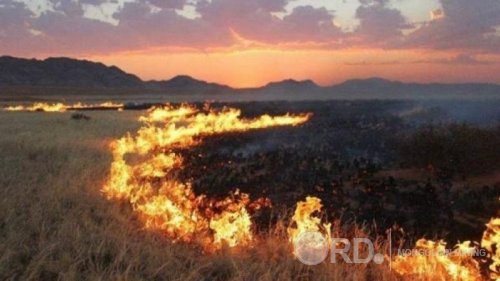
x=312, y=248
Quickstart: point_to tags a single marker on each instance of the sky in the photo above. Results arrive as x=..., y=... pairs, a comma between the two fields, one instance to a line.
x=249, y=43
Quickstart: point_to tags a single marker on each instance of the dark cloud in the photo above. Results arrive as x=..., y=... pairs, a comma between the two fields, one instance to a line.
x=15, y=26
x=379, y=25
x=73, y=8
x=66, y=34
x=167, y=4
x=463, y=24
x=13, y=15
x=306, y=23
x=254, y=20
x=164, y=28
x=68, y=7
x=373, y=2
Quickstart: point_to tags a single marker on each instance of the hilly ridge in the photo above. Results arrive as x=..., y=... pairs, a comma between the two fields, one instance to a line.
x=83, y=74
x=63, y=72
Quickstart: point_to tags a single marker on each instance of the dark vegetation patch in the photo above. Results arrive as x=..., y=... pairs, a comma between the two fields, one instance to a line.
x=80, y=116
x=453, y=150
x=340, y=154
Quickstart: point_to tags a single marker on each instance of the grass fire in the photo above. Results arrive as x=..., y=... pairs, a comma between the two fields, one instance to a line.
x=242, y=140
x=164, y=202
x=61, y=107
x=228, y=191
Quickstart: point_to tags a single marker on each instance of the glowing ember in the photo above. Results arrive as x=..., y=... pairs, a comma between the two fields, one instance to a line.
x=60, y=107
x=142, y=174
x=491, y=242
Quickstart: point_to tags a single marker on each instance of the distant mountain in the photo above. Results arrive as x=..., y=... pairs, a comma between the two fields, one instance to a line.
x=63, y=72
x=360, y=86
x=67, y=72
x=394, y=89
x=82, y=74
x=291, y=86
x=184, y=84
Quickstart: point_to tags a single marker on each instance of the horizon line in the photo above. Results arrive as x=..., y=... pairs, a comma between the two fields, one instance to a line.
x=361, y=78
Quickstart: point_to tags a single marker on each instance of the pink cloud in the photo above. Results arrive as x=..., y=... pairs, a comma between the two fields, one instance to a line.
x=465, y=25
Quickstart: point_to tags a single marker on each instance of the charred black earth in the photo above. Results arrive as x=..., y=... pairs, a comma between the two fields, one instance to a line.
x=359, y=158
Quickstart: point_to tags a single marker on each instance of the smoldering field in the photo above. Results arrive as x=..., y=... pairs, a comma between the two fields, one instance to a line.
x=55, y=223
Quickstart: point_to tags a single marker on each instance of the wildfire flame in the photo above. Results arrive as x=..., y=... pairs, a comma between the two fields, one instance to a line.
x=60, y=107
x=491, y=242
x=429, y=260
x=304, y=219
x=432, y=261
x=307, y=234
x=142, y=173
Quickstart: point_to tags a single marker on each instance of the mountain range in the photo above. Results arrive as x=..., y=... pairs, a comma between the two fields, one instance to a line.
x=73, y=73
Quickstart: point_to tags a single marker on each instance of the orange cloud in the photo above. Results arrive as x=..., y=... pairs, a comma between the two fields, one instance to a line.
x=437, y=14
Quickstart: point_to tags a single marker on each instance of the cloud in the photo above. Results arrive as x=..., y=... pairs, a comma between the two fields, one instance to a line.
x=460, y=59
x=164, y=28
x=466, y=59
x=379, y=25
x=437, y=14
x=254, y=20
x=15, y=26
x=167, y=4
x=306, y=23
x=369, y=63
x=69, y=34
x=462, y=24
x=153, y=24
x=73, y=8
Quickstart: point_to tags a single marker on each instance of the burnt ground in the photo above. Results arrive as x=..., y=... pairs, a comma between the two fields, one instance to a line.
x=348, y=156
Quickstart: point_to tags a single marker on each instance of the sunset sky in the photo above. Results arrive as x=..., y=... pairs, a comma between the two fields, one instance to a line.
x=246, y=43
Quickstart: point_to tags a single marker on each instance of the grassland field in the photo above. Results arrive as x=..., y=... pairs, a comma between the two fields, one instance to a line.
x=56, y=225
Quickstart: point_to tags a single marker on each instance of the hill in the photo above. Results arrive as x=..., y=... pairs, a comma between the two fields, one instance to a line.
x=32, y=77
x=183, y=84
x=63, y=72
x=396, y=89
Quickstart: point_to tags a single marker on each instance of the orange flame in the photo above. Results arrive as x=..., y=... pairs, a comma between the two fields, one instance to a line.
x=432, y=261
x=304, y=220
x=57, y=107
x=60, y=107
x=142, y=174
x=491, y=242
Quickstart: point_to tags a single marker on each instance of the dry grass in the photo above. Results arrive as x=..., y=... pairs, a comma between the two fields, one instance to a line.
x=54, y=223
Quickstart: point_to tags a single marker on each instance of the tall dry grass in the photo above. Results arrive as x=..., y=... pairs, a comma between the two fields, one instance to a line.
x=55, y=225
